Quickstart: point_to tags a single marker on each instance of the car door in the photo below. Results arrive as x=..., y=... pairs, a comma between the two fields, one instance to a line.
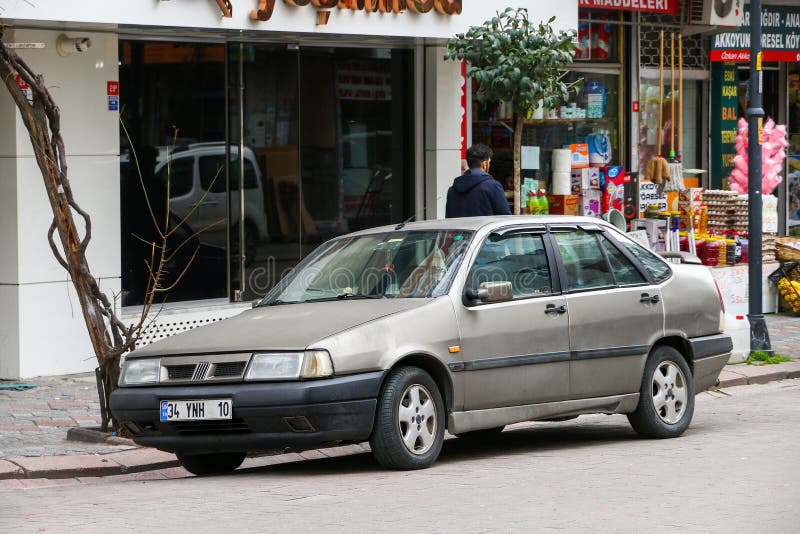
x=615, y=314
x=515, y=352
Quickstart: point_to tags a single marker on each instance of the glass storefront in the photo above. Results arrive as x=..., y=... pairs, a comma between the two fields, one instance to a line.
x=301, y=145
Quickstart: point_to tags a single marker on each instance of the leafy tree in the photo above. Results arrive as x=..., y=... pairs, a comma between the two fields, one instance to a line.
x=512, y=59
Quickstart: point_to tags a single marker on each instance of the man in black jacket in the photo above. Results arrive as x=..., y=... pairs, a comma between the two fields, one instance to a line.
x=476, y=192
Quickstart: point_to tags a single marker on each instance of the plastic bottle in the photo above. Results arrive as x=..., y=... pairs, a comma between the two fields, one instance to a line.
x=684, y=241
x=703, y=226
x=544, y=205
x=533, y=204
x=699, y=244
x=730, y=251
x=745, y=249
x=711, y=252
x=738, y=247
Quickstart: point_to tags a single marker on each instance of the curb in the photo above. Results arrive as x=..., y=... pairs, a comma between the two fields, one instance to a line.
x=743, y=374
x=138, y=460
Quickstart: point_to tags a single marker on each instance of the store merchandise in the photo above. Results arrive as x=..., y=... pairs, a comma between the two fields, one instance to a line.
x=773, y=152
x=768, y=248
x=563, y=204
x=590, y=202
x=614, y=190
x=599, y=146
x=562, y=183
x=544, y=204
x=580, y=155
x=562, y=160
x=580, y=180
x=595, y=98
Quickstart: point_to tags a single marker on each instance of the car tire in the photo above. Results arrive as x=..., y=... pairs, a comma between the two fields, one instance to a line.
x=482, y=434
x=210, y=464
x=666, y=399
x=409, y=421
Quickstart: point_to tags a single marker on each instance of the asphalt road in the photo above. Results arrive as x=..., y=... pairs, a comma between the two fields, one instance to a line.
x=735, y=470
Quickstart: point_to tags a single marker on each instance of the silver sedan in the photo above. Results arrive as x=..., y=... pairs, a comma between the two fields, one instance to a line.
x=396, y=334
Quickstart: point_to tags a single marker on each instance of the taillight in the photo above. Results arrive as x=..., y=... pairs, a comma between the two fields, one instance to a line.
x=719, y=294
x=722, y=308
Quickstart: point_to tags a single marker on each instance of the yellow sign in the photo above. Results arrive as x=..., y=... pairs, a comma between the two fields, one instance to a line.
x=759, y=57
x=265, y=8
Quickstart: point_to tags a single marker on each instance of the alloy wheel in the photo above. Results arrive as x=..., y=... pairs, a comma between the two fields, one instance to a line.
x=669, y=392
x=417, y=419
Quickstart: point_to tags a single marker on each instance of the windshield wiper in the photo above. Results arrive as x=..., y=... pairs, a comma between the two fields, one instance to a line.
x=280, y=302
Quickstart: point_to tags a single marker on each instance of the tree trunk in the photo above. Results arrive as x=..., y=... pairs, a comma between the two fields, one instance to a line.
x=518, y=125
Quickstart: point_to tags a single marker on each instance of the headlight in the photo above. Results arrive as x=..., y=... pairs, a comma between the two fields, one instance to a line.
x=140, y=371
x=290, y=366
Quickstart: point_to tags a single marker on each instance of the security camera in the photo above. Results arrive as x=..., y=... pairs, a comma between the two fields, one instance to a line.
x=68, y=45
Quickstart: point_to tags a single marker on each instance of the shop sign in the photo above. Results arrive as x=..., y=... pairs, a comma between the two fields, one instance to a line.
x=265, y=8
x=780, y=38
x=649, y=193
x=725, y=114
x=671, y=7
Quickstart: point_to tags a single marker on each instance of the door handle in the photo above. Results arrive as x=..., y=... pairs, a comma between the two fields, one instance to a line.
x=551, y=308
x=647, y=298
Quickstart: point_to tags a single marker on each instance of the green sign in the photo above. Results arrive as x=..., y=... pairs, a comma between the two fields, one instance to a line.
x=724, y=113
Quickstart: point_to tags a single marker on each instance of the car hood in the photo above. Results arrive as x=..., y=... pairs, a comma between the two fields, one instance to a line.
x=283, y=327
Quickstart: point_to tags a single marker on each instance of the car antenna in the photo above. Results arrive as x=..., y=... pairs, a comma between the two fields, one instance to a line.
x=402, y=224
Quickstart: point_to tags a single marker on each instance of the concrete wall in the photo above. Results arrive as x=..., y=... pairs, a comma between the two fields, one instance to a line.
x=41, y=325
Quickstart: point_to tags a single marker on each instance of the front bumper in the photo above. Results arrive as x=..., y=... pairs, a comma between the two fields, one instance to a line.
x=266, y=415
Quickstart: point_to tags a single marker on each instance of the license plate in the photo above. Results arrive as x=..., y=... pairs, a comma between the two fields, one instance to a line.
x=196, y=409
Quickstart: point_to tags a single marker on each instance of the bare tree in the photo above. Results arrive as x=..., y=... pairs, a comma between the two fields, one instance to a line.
x=109, y=336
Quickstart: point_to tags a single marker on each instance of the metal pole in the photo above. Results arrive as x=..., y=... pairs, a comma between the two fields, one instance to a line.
x=759, y=336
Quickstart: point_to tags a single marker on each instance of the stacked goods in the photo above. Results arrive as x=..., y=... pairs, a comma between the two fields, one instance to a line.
x=787, y=248
x=722, y=209
x=740, y=214
x=768, y=250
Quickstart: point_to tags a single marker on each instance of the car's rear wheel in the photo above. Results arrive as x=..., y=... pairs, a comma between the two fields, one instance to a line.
x=666, y=400
x=409, y=421
x=210, y=464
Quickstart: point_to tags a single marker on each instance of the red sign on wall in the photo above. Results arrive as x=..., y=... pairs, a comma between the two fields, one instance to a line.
x=672, y=7
x=112, y=88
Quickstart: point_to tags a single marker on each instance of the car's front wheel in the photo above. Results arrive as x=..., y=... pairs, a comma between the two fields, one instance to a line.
x=666, y=400
x=409, y=421
x=210, y=464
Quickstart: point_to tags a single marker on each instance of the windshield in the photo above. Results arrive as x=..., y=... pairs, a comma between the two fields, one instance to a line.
x=413, y=264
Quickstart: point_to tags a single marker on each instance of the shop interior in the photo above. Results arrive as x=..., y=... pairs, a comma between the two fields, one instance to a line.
x=318, y=145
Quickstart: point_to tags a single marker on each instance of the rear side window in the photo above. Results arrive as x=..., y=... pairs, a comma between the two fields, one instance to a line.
x=584, y=263
x=625, y=272
x=657, y=267
x=212, y=173
x=519, y=259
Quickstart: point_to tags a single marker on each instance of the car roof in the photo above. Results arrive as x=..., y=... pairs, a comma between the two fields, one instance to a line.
x=477, y=223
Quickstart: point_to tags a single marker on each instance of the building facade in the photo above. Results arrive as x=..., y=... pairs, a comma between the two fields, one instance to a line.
x=277, y=124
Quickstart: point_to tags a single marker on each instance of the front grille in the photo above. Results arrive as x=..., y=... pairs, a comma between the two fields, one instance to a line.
x=203, y=368
x=229, y=369
x=199, y=428
x=180, y=372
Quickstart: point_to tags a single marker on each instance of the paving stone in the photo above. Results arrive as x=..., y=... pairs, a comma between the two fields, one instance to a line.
x=68, y=466
x=140, y=459
x=19, y=428
x=56, y=422
x=9, y=470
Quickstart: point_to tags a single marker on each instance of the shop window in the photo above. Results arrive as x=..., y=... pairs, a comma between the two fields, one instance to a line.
x=212, y=173
x=691, y=105
x=793, y=150
x=519, y=259
x=180, y=174
x=598, y=36
x=584, y=263
x=172, y=100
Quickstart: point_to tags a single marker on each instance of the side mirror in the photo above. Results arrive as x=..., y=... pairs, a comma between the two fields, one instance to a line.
x=489, y=292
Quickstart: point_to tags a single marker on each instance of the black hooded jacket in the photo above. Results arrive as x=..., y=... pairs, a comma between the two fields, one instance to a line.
x=476, y=193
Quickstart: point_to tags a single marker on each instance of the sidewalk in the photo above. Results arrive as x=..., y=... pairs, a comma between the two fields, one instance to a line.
x=34, y=423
